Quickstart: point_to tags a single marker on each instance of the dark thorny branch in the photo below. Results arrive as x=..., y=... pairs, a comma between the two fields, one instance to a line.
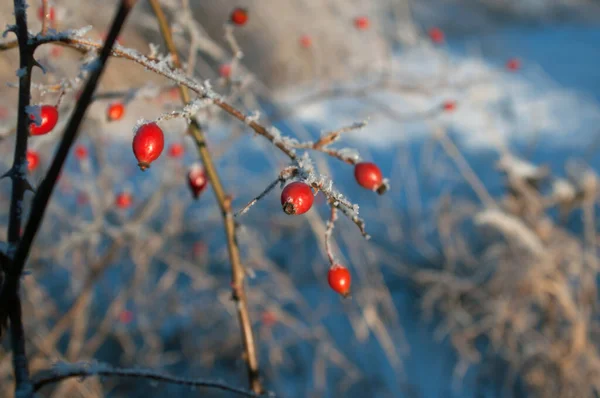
x=9, y=295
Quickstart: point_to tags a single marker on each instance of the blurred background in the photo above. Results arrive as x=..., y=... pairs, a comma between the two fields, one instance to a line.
x=480, y=279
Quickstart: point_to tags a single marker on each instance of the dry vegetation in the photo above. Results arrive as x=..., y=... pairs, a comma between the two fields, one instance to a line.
x=150, y=285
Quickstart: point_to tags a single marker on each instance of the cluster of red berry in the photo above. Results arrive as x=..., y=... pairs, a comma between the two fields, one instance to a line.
x=297, y=198
x=148, y=144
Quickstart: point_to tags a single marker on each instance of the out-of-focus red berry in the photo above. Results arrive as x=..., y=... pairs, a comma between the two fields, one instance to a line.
x=126, y=317
x=513, y=64
x=225, y=71
x=362, y=22
x=81, y=152
x=239, y=16
x=305, y=41
x=56, y=51
x=82, y=198
x=269, y=319
x=123, y=200
x=199, y=248
x=436, y=35
x=449, y=106
x=115, y=111
x=176, y=150
x=197, y=180
x=33, y=160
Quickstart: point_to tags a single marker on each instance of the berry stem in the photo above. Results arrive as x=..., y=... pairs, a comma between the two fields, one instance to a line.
x=237, y=269
x=285, y=175
x=328, y=233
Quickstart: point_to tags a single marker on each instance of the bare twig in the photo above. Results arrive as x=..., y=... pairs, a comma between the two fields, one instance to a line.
x=328, y=233
x=285, y=174
x=224, y=201
x=65, y=371
x=46, y=16
x=332, y=136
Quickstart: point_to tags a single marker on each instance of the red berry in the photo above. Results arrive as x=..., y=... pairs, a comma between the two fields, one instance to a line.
x=239, y=16
x=126, y=316
x=82, y=198
x=197, y=180
x=56, y=51
x=225, y=70
x=269, y=318
x=199, y=248
x=172, y=93
x=148, y=144
x=305, y=41
x=49, y=10
x=176, y=150
x=115, y=111
x=513, y=64
x=362, y=23
x=436, y=35
x=123, y=200
x=33, y=160
x=49, y=117
x=339, y=279
x=368, y=175
x=296, y=198
x=81, y=152
x=449, y=106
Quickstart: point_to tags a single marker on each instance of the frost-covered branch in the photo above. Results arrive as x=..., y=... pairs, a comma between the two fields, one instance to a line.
x=307, y=172
x=347, y=155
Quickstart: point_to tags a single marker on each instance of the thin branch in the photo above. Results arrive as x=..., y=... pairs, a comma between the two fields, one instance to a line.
x=7, y=45
x=23, y=386
x=328, y=233
x=45, y=17
x=464, y=167
x=332, y=136
x=66, y=371
x=179, y=78
x=285, y=174
x=224, y=201
x=185, y=84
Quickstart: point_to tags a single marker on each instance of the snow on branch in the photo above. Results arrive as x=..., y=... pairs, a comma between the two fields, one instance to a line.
x=307, y=172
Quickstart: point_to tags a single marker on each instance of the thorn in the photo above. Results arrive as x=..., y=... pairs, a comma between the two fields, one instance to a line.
x=28, y=185
x=36, y=63
x=9, y=174
x=10, y=28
